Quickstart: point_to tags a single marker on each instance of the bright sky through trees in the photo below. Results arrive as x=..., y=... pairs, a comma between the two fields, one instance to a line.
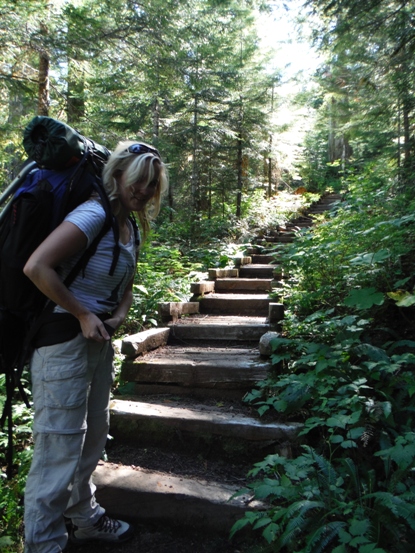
x=280, y=31
x=294, y=58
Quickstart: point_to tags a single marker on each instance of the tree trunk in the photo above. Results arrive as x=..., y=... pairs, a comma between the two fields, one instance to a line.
x=239, y=163
x=270, y=146
x=270, y=168
x=399, y=135
x=76, y=95
x=210, y=171
x=195, y=172
x=43, y=81
x=330, y=146
x=156, y=120
x=406, y=134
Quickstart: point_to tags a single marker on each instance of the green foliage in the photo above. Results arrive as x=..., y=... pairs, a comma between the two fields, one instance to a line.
x=360, y=254
x=11, y=491
x=357, y=403
x=261, y=213
x=364, y=298
x=344, y=368
x=163, y=274
x=365, y=97
x=321, y=507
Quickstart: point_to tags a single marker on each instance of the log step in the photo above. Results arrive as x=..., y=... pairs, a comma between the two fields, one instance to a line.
x=200, y=367
x=144, y=341
x=204, y=287
x=223, y=273
x=263, y=259
x=157, y=424
x=301, y=225
x=282, y=239
x=316, y=210
x=256, y=270
x=211, y=328
x=243, y=285
x=277, y=232
x=305, y=222
x=236, y=304
x=135, y=494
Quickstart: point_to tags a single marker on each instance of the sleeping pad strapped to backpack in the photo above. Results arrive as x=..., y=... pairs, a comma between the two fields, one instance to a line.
x=63, y=170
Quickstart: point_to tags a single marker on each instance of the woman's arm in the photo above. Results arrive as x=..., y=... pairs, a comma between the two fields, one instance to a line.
x=65, y=241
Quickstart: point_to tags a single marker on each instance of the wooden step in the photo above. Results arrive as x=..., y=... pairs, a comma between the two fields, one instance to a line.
x=280, y=239
x=235, y=304
x=316, y=211
x=198, y=425
x=300, y=225
x=331, y=198
x=203, y=287
x=256, y=270
x=242, y=260
x=279, y=232
x=175, y=310
x=243, y=285
x=144, y=341
x=324, y=203
x=309, y=222
x=302, y=219
x=135, y=494
x=211, y=327
x=228, y=368
x=252, y=250
x=263, y=259
x=223, y=273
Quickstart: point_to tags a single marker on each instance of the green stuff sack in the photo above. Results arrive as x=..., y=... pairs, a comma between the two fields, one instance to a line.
x=55, y=145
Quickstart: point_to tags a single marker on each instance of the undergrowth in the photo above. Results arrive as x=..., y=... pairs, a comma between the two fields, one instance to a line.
x=344, y=367
x=11, y=490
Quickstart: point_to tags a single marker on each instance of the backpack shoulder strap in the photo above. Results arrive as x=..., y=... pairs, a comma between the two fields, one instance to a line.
x=76, y=269
x=14, y=186
x=110, y=222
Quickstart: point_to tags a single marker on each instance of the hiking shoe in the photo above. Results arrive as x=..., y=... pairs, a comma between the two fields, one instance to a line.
x=105, y=529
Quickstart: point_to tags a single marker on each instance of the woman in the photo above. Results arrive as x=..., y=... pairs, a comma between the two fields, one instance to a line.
x=71, y=379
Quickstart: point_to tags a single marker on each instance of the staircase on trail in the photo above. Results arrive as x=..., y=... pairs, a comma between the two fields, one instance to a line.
x=187, y=381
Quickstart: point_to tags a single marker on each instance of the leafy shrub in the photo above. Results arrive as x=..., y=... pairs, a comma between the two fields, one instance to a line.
x=367, y=242
x=11, y=491
x=344, y=367
x=322, y=506
x=353, y=489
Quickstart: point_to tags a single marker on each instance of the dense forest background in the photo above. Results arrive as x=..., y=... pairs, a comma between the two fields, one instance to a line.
x=188, y=77
x=192, y=77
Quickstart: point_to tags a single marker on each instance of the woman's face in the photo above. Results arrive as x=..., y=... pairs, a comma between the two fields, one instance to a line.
x=135, y=197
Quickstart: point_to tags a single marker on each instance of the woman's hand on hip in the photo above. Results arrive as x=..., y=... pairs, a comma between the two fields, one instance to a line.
x=93, y=328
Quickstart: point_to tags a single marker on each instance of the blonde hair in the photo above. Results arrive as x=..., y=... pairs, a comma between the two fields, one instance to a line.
x=143, y=168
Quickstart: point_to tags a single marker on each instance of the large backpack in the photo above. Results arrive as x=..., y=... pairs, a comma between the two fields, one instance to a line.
x=62, y=171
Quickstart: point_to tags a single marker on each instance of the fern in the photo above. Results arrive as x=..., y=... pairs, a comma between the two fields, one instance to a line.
x=318, y=541
x=303, y=507
x=400, y=507
x=326, y=475
x=289, y=536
